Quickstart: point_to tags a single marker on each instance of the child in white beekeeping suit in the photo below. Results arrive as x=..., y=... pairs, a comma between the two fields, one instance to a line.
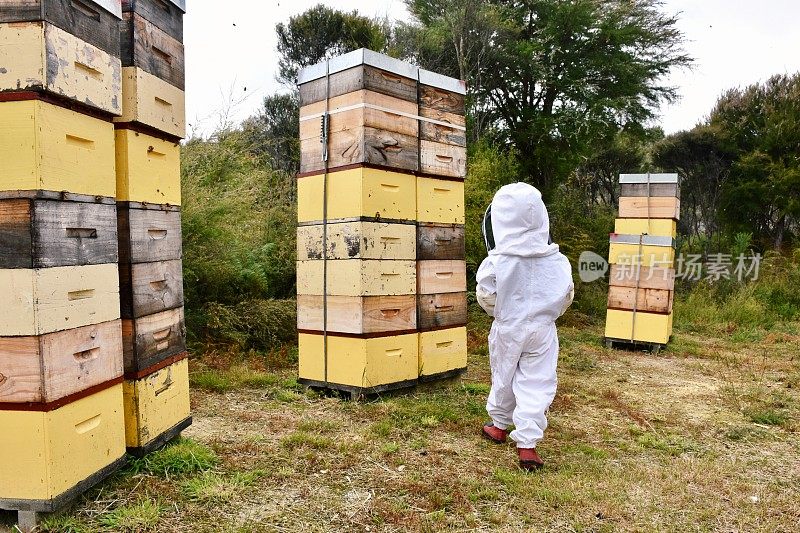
x=525, y=284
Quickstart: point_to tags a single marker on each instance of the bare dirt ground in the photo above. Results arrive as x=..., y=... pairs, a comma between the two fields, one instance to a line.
x=703, y=437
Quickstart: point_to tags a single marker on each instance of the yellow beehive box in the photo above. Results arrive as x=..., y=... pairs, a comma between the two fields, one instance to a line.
x=43, y=146
x=440, y=201
x=157, y=406
x=358, y=240
x=358, y=192
x=649, y=327
x=659, y=227
x=39, y=301
x=442, y=350
x=355, y=277
x=647, y=255
x=148, y=169
x=37, y=56
x=358, y=362
x=47, y=454
x=151, y=101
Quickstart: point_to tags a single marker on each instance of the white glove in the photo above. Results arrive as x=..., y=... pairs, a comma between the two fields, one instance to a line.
x=568, y=300
x=486, y=300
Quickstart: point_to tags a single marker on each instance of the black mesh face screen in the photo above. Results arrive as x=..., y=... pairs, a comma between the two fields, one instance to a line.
x=486, y=229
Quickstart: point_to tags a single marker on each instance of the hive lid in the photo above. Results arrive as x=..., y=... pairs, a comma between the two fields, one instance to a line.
x=112, y=6
x=180, y=4
x=652, y=178
x=364, y=56
x=440, y=81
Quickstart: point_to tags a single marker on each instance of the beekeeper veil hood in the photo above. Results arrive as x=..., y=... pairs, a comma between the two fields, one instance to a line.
x=520, y=223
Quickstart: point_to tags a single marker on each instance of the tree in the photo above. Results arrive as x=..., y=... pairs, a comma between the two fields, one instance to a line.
x=321, y=33
x=703, y=163
x=451, y=37
x=272, y=133
x=598, y=176
x=557, y=76
x=761, y=124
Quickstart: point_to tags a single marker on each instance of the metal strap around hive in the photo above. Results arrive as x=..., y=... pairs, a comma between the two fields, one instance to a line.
x=419, y=127
x=324, y=139
x=639, y=265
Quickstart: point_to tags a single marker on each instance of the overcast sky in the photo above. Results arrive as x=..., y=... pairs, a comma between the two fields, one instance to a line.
x=231, y=61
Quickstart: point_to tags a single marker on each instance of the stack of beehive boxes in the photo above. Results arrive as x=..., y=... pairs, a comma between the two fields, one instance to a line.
x=642, y=260
x=148, y=209
x=381, y=275
x=61, y=363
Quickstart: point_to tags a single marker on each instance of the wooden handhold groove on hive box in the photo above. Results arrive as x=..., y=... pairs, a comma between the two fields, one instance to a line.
x=150, y=101
x=47, y=147
x=167, y=15
x=148, y=168
x=440, y=241
x=150, y=48
x=357, y=278
x=149, y=288
x=359, y=193
x=156, y=405
x=83, y=19
x=55, y=299
x=358, y=240
x=37, y=56
x=41, y=468
x=440, y=276
x=357, y=315
x=48, y=233
x=446, y=310
x=149, y=234
x=148, y=340
x=46, y=368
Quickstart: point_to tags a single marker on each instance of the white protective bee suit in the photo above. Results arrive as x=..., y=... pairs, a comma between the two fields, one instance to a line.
x=525, y=284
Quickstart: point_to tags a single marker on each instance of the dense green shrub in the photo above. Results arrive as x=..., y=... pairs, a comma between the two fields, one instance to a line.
x=239, y=239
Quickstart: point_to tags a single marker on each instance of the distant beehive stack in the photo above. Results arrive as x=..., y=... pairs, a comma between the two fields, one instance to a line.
x=381, y=282
x=642, y=259
x=148, y=133
x=61, y=354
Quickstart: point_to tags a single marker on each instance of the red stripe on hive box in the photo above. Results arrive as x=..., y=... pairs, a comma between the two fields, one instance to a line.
x=50, y=98
x=133, y=376
x=386, y=168
x=61, y=402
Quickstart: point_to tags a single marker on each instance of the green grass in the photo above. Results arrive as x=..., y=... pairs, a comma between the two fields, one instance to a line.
x=179, y=458
x=133, y=518
x=217, y=488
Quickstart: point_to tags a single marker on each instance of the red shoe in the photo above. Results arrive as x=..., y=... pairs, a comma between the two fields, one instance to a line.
x=494, y=434
x=529, y=459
